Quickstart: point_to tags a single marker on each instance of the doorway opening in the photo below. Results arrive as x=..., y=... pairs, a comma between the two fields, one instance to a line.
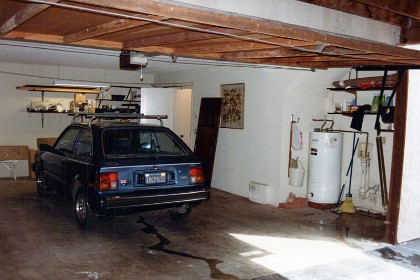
x=183, y=115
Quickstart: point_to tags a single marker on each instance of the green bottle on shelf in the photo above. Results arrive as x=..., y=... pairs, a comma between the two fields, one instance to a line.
x=375, y=104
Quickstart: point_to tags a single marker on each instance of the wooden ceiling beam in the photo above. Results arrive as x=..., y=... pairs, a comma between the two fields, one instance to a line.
x=282, y=60
x=372, y=59
x=103, y=29
x=23, y=15
x=333, y=64
x=409, y=8
x=180, y=37
x=359, y=9
x=265, y=53
x=410, y=32
x=284, y=52
x=35, y=37
x=59, y=40
x=208, y=56
x=155, y=50
x=410, y=36
x=240, y=46
x=171, y=52
x=337, y=50
x=93, y=43
x=172, y=9
x=250, y=50
x=367, y=59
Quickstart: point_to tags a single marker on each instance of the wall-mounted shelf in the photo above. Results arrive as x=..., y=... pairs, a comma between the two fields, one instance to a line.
x=59, y=89
x=43, y=89
x=110, y=100
x=350, y=114
x=355, y=90
x=132, y=106
x=46, y=112
x=378, y=83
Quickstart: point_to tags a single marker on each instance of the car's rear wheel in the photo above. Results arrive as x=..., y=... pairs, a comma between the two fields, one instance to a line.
x=85, y=218
x=181, y=212
x=41, y=187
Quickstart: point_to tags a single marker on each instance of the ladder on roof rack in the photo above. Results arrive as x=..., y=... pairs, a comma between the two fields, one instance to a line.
x=78, y=117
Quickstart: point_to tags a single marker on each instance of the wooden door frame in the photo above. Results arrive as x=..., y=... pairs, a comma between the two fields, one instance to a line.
x=400, y=122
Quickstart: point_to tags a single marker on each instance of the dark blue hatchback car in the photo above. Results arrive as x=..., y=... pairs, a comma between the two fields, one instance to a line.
x=117, y=167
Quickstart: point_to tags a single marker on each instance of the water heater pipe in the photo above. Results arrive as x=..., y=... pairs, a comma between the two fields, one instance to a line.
x=365, y=177
x=325, y=122
x=361, y=132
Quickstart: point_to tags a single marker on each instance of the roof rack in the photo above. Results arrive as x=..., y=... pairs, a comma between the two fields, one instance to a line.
x=78, y=117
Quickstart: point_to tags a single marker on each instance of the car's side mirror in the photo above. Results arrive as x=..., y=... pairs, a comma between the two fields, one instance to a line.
x=45, y=148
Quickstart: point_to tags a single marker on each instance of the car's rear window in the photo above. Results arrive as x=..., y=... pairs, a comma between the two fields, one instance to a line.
x=140, y=143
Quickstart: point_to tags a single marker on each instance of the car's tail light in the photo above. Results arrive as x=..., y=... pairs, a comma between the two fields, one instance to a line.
x=108, y=181
x=196, y=175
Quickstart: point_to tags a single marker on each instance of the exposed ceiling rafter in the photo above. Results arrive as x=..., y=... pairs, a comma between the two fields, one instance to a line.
x=410, y=8
x=175, y=29
x=22, y=16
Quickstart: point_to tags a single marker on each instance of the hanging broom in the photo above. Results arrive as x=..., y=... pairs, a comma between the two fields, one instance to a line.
x=347, y=206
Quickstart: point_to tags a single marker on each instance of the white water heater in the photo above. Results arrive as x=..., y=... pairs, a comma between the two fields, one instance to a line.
x=324, y=170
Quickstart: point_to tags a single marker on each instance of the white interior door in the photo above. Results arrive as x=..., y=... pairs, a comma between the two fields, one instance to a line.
x=158, y=101
x=182, y=114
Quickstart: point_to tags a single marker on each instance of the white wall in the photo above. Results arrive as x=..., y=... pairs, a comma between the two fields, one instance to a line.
x=409, y=218
x=304, y=14
x=259, y=152
x=17, y=127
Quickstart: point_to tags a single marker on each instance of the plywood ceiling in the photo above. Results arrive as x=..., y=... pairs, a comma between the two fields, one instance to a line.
x=166, y=28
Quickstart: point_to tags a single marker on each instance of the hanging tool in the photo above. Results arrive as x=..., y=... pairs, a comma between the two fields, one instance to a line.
x=337, y=210
x=347, y=206
x=382, y=174
x=379, y=141
x=292, y=121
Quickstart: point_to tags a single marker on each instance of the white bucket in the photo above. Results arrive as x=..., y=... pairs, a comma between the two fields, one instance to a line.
x=296, y=176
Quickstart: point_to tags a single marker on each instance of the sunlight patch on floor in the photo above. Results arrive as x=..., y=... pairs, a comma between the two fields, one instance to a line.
x=319, y=259
x=288, y=254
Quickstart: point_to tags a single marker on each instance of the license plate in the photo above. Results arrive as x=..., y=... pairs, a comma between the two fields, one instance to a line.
x=155, y=178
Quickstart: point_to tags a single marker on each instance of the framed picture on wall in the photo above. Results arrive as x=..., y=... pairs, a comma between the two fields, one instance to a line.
x=233, y=105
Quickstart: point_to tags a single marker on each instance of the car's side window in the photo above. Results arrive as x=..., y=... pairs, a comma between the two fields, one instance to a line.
x=83, y=146
x=67, y=140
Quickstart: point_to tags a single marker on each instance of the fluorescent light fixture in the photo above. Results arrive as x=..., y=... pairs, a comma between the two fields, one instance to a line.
x=81, y=84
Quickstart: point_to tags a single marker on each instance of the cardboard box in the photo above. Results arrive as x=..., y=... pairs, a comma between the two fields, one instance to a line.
x=79, y=99
x=30, y=161
x=14, y=152
x=46, y=140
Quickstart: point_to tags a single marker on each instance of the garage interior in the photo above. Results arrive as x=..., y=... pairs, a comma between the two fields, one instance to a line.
x=293, y=59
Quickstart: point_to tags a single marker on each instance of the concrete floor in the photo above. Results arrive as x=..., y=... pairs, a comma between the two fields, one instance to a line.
x=227, y=237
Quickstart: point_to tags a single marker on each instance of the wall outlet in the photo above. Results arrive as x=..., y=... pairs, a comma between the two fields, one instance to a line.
x=383, y=140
